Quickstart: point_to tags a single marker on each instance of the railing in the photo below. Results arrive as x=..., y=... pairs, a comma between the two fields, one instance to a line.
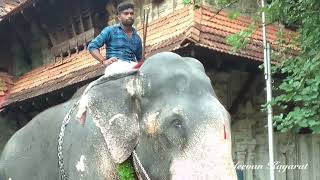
x=74, y=44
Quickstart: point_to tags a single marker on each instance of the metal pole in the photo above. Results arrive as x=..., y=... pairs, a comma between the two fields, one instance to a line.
x=143, y=33
x=264, y=37
x=269, y=110
x=267, y=75
x=145, y=30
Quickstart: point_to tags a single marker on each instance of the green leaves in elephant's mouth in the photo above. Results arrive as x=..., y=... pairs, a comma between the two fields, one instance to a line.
x=126, y=171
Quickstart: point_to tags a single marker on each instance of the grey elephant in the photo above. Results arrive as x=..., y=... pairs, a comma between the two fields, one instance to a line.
x=166, y=112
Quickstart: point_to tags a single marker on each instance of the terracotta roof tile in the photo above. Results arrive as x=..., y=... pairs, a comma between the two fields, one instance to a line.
x=54, y=71
x=9, y=7
x=5, y=84
x=72, y=78
x=206, y=28
x=168, y=27
x=74, y=69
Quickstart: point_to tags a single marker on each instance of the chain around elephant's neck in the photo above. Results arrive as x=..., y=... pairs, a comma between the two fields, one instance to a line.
x=66, y=119
x=136, y=164
x=136, y=161
x=65, y=122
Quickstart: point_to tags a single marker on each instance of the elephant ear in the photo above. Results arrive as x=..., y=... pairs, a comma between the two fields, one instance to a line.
x=198, y=65
x=194, y=62
x=114, y=111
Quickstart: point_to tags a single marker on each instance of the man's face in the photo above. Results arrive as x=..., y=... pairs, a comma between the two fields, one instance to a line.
x=126, y=17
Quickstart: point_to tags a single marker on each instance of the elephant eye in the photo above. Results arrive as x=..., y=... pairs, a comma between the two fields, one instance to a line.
x=177, y=123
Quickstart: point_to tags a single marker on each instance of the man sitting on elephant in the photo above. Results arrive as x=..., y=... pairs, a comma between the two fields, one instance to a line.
x=123, y=44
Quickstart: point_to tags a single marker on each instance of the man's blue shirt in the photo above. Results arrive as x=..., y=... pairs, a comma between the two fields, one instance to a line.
x=118, y=44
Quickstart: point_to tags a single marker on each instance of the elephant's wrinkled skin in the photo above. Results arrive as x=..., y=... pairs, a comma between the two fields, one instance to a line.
x=167, y=111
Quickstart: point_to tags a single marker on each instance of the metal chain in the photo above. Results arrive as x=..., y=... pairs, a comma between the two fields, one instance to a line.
x=68, y=115
x=60, y=141
x=136, y=163
x=65, y=122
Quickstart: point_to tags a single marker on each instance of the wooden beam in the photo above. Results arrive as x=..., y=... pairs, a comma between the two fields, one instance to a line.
x=74, y=33
x=42, y=26
x=49, y=18
x=85, y=14
x=19, y=35
x=33, y=15
x=81, y=23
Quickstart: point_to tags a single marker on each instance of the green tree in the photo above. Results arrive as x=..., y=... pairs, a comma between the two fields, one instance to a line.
x=298, y=103
x=299, y=97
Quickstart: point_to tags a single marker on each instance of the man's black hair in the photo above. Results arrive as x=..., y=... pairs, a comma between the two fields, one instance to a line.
x=124, y=6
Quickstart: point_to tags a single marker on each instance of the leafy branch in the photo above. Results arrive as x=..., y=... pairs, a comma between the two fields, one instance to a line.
x=225, y=4
x=297, y=103
x=126, y=171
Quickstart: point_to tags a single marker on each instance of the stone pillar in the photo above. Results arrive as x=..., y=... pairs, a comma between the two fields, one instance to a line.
x=249, y=175
x=287, y=149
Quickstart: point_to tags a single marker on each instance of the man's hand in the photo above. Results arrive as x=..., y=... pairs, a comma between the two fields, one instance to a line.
x=109, y=61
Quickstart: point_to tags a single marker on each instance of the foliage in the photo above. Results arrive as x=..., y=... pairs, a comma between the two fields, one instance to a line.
x=126, y=171
x=195, y=3
x=241, y=39
x=187, y=2
x=234, y=15
x=298, y=101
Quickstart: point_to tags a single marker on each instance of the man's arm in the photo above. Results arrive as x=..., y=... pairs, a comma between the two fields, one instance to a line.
x=97, y=43
x=96, y=55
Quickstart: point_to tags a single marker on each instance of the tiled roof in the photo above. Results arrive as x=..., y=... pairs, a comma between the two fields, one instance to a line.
x=168, y=32
x=201, y=27
x=8, y=7
x=204, y=27
x=71, y=70
x=5, y=84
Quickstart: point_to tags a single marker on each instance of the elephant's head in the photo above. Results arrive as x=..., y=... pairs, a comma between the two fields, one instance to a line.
x=168, y=112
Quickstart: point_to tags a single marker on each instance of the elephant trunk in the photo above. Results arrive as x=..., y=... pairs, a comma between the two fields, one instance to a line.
x=208, y=156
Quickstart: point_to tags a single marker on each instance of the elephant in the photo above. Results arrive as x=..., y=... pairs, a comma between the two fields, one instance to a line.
x=166, y=113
